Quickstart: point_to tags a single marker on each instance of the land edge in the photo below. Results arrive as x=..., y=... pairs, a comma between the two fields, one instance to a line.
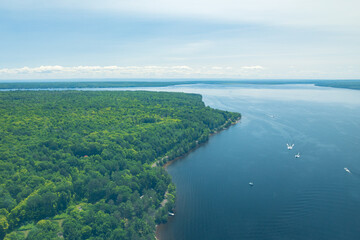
x=114, y=83
x=223, y=127
x=229, y=123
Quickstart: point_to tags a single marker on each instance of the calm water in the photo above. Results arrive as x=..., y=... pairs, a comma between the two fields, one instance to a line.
x=311, y=197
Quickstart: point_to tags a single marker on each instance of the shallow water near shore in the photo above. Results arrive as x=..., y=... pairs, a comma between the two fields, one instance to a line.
x=311, y=197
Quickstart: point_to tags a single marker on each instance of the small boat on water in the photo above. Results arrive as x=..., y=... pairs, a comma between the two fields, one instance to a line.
x=289, y=147
x=346, y=169
x=297, y=155
x=251, y=184
x=171, y=214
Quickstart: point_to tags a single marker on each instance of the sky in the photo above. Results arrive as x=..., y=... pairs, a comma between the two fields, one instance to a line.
x=213, y=39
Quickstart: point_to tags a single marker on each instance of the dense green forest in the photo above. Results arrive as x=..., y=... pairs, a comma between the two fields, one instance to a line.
x=80, y=165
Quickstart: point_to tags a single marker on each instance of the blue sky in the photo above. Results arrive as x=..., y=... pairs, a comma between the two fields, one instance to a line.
x=258, y=39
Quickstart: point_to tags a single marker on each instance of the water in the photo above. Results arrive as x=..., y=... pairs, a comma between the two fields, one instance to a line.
x=311, y=197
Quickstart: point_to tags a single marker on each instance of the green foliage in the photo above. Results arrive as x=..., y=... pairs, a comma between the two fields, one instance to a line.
x=4, y=225
x=15, y=236
x=88, y=157
x=44, y=230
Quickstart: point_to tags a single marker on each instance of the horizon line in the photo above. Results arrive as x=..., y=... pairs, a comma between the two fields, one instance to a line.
x=170, y=79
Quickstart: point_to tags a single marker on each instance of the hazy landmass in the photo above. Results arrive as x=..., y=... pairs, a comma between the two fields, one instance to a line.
x=350, y=84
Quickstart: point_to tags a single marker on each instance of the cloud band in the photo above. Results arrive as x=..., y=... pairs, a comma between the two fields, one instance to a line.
x=57, y=71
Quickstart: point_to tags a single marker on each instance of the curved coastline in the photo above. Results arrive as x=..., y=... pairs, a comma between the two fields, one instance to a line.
x=225, y=126
x=229, y=123
x=185, y=122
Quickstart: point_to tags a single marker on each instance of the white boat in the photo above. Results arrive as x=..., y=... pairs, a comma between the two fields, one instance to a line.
x=297, y=155
x=171, y=214
x=251, y=183
x=290, y=146
x=346, y=169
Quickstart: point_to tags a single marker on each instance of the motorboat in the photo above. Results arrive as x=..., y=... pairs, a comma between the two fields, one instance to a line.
x=297, y=155
x=346, y=169
x=290, y=146
x=171, y=214
x=251, y=184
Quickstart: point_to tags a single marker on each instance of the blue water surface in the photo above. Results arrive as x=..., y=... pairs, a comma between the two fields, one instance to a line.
x=311, y=197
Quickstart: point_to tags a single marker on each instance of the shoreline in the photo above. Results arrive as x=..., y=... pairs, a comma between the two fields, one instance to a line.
x=223, y=127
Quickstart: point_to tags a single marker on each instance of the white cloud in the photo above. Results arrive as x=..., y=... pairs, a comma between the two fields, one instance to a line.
x=126, y=71
x=177, y=71
x=28, y=70
x=253, y=67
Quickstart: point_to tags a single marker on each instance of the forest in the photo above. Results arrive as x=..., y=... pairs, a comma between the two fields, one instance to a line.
x=86, y=165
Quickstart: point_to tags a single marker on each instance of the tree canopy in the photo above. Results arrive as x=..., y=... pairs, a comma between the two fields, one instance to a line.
x=78, y=165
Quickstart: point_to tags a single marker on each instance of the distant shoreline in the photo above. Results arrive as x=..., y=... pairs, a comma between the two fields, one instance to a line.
x=78, y=85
